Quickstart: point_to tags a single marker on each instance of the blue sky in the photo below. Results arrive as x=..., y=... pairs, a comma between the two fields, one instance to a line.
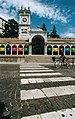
x=60, y=13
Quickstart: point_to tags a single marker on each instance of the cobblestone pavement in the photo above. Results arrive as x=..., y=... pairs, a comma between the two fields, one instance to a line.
x=11, y=85
x=10, y=90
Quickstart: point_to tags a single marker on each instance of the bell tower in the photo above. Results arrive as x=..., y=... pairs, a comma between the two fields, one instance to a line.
x=24, y=24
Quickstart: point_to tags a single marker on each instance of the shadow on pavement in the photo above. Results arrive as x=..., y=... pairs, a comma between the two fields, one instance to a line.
x=2, y=108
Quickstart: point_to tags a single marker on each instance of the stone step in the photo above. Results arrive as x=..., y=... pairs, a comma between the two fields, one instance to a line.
x=36, y=58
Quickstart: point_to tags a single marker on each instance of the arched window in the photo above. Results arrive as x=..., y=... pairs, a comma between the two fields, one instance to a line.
x=67, y=50
x=8, y=50
x=26, y=50
x=55, y=50
x=2, y=49
x=49, y=50
x=20, y=50
x=73, y=50
x=61, y=48
x=14, y=50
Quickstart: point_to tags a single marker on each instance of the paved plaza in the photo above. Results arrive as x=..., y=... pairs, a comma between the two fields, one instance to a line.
x=37, y=91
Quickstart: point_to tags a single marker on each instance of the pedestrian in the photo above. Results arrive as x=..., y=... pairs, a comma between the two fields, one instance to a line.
x=62, y=55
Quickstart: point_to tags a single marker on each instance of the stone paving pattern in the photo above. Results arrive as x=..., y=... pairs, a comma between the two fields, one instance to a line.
x=53, y=104
x=10, y=92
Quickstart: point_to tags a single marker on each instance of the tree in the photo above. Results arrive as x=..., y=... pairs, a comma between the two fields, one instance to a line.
x=54, y=33
x=11, y=29
x=44, y=27
x=48, y=35
x=1, y=35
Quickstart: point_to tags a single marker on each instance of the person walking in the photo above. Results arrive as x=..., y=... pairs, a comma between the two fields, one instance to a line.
x=62, y=55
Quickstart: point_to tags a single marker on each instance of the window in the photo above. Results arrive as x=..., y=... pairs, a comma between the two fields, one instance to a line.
x=67, y=50
x=14, y=50
x=73, y=50
x=8, y=49
x=55, y=50
x=49, y=50
x=20, y=50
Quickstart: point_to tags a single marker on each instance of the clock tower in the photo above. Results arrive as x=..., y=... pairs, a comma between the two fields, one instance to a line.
x=24, y=25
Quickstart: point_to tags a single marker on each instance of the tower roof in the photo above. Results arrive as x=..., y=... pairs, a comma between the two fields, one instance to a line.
x=25, y=10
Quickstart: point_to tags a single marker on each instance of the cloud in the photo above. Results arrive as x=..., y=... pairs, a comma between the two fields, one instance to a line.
x=8, y=10
x=69, y=34
x=72, y=29
x=41, y=9
x=5, y=16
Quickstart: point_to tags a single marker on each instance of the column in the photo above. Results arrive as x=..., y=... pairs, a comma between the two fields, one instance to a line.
x=30, y=49
x=45, y=49
x=23, y=50
x=5, y=49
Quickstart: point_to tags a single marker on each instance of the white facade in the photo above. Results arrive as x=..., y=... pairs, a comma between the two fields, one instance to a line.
x=24, y=25
x=2, y=25
x=25, y=32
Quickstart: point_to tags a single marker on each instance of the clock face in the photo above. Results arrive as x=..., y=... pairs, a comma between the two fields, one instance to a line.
x=24, y=19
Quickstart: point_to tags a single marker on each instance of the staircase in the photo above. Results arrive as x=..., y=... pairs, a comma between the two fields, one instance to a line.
x=35, y=58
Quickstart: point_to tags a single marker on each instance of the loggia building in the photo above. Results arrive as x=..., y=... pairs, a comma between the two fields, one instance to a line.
x=34, y=41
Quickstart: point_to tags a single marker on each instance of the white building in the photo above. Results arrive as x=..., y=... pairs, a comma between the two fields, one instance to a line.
x=34, y=41
x=37, y=38
x=2, y=25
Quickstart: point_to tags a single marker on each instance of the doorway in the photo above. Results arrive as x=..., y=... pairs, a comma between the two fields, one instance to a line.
x=38, y=45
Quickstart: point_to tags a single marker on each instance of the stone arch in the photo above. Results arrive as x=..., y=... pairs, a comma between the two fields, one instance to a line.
x=55, y=50
x=73, y=50
x=49, y=50
x=20, y=50
x=38, y=45
x=2, y=49
x=14, y=50
x=26, y=49
x=8, y=49
x=61, y=47
x=67, y=50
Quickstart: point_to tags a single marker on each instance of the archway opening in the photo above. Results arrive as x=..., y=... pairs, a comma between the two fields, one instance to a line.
x=38, y=45
x=61, y=48
x=2, y=50
x=55, y=50
x=73, y=50
x=49, y=50
x=26, y=50
x=67, y=50
x=14, y=50
x=20, y=50
x=8, y=50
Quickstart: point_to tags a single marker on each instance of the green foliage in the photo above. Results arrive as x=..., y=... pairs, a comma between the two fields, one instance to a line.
x=44, y=27
x=1, y=35
x=11, y=29
x=48, y=35
x=54, y=33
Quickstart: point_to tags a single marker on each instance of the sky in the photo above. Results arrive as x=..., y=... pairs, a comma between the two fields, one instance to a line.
x=60, y=13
